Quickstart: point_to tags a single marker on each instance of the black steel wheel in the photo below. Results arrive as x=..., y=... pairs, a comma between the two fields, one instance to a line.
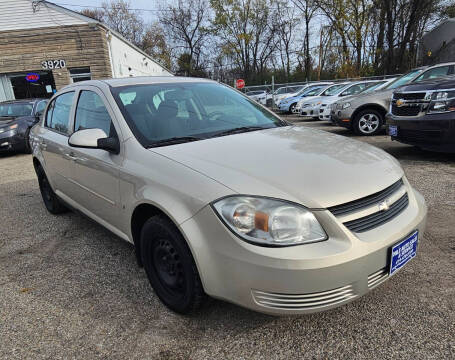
x=170, y=266
x=50, y=199
x=27, y=147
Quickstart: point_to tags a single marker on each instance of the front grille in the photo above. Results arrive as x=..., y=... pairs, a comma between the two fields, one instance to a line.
x=304, y=301
x=409, y=96
x=374, y=220
x=377, y=277
x=406, y=110
x=432, y=136
x=366, y=201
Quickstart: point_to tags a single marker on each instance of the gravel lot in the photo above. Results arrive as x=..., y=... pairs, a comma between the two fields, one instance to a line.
x=70, y=289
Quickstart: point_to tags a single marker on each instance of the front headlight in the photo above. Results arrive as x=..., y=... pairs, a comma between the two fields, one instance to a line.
x=8, y=128
x=269, y=222
x=345, y=105
x=443, y=101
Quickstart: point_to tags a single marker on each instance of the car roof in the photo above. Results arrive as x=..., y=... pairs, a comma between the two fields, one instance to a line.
x=141, y=80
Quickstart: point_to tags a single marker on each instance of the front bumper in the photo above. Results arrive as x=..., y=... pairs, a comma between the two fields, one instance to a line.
x=324, y=113
x=300, y=279
x=312, y=111
x=342, y=117
x=433, y=132
x=11, y=141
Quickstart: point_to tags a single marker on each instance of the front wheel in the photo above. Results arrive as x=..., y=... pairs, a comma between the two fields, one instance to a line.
x=292, y=108
x=170, y=267
x=368, y=122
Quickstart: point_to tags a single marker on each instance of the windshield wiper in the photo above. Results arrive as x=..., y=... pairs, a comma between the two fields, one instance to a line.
x=173, y=140
x=239, y=130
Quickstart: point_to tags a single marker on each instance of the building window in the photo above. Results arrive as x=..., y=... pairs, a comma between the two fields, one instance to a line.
x=80, y=74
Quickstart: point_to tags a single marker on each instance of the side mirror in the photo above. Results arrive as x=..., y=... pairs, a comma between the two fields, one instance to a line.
x=94, y=139
x=38, y=115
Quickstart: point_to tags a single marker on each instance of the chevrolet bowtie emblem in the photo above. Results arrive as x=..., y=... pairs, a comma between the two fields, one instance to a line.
x=400, y=102
x=384, y=206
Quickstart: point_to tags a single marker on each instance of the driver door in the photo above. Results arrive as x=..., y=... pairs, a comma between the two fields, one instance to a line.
x=95, y=172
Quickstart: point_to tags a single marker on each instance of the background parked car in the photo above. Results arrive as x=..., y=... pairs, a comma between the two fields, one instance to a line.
x=289, y=103
x=365, y=114
x=423, y=114
x=284, y=92
x=310, y=107
x=255, y=94
x=350, y=89
x=16, y=119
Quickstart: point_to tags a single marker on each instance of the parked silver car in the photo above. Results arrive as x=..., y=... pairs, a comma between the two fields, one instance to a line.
x=221, y=197
x=365, y=113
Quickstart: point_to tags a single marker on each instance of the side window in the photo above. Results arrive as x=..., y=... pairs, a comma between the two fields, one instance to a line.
x=92, y=114
x=40, y=107
x=58, y=114
x=434, y=73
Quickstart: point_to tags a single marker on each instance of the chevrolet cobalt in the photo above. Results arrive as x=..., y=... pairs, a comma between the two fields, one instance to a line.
x=221, y=197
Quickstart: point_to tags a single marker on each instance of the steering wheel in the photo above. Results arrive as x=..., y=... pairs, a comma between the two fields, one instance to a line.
x=215, y=113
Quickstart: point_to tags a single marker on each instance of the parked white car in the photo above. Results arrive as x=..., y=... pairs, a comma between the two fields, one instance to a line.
x=351, y=89
x=286, y=91
x=300, y=92
x=256, y=94
x=310, y=106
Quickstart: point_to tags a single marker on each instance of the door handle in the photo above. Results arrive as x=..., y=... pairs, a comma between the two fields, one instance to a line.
x=70, y=156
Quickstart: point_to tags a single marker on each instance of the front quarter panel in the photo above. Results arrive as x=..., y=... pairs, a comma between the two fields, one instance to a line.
x=177, y=190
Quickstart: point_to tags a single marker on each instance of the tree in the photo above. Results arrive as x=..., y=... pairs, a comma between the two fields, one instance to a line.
x=119, y=16
x=246, y=32
x=308, y=9
x=154, y=43
x=184, y=22
x=97, y=14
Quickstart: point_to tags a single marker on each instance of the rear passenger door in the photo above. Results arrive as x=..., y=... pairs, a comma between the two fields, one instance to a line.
x=53, y=142
x=95, y=172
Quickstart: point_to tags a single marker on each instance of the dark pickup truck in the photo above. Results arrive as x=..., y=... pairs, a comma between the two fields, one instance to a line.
x=16, y=119
x=424, y=115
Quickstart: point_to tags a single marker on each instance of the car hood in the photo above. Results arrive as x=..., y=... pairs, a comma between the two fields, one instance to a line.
x=311, y=167
x=375, y=96
x=439, y=84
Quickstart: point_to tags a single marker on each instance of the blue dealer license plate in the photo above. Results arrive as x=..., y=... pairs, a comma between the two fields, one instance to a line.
x=403, y=252
x=393, y=130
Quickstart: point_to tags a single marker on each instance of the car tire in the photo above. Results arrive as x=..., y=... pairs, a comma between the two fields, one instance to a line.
x=27, y=147
x=368, y=122
x=50, y=199
x=292, y=107
x=170, y=267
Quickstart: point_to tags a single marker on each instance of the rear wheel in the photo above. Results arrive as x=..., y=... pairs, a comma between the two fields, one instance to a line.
x=368, y=122
x=50, y=199
x=27, y=148
x=170, y=267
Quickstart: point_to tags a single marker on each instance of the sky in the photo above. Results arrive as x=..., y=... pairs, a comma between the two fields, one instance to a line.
x=78, y=5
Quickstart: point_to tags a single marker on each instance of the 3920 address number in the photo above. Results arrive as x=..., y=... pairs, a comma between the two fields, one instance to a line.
x=53, y=64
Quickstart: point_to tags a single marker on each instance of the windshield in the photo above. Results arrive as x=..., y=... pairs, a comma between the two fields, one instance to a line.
x=315, y=90
x=403, y=80
x=373, y=88
x=333, y=90
x=195, y=111
x=16, y=109
x=281, y=90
